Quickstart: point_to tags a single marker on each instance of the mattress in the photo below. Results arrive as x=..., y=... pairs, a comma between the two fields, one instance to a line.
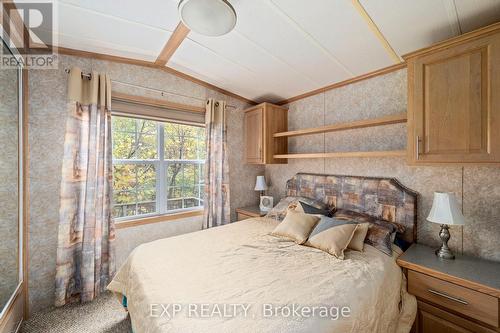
x=238, y=278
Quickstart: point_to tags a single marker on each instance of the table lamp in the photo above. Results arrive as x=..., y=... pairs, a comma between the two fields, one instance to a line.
x=445, y=211
x=260, y=184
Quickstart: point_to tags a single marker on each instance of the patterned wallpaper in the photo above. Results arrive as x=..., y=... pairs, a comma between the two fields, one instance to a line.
x=9, y=226
x=379, y=96
x=46, y=138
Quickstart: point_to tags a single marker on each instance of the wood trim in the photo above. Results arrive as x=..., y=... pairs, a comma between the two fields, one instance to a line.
x=263, y=105
x=449, y=278
x=26, y=215
x=374, y=28
x=488, y=30
x=387, y=120
x=10, y=311
x=387, y=153
x=155, y=102
x=157, y=219
x=173, y=43
x=143, y=63
x=366, y=76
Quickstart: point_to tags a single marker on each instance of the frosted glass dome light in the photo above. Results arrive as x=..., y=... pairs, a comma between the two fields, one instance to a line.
x=208, y=17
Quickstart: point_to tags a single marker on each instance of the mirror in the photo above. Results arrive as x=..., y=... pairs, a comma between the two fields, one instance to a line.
x=10, y=219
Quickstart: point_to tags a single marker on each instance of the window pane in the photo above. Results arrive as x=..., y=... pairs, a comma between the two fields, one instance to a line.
x=190, y=175
x=146, y=175
x=134, y=189
x=146, y=208
x=134, y=138
x=181, y=142
x=148, y=126
x=174, y=204
x=174, y=174
x=123, y=145
x=146, y=146
x=202, y=147
x=174, y=192
x=124, y=177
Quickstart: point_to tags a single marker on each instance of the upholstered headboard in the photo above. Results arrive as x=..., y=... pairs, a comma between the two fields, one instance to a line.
x=383, y=198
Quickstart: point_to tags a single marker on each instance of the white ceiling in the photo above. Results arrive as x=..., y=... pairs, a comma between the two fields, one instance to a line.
x=279, y=48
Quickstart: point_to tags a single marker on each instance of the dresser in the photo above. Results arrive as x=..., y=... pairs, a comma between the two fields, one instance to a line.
x=460, y=295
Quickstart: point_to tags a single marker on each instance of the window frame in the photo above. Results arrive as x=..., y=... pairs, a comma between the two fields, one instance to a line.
x=161, y=165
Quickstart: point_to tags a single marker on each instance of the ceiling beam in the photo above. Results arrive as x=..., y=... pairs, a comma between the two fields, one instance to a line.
x=374, y=28
x=173, y=43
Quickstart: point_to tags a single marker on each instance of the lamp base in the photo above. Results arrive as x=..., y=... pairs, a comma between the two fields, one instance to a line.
x=444, y=251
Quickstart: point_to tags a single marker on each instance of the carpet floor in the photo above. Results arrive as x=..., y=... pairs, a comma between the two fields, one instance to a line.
x=103, y=315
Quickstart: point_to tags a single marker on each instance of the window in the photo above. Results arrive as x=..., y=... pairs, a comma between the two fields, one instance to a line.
x=157, y=167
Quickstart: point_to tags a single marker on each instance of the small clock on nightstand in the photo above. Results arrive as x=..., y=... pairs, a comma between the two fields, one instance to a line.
x=249, y=212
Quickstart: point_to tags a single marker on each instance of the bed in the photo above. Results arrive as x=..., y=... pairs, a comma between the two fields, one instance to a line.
x=239, y=278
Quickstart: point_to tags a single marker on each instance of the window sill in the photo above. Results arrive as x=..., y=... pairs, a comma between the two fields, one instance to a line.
x=157, y=219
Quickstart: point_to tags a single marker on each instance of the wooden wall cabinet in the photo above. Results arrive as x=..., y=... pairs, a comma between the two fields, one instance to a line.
x=454, y=100
x=260, y=123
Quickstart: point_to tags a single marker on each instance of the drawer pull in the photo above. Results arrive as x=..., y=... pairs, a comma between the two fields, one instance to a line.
x=461, y=301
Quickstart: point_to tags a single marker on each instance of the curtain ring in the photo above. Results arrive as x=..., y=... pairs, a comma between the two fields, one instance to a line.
x=216, y=104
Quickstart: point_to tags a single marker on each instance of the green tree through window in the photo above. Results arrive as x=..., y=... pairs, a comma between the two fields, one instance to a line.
x=157, y=166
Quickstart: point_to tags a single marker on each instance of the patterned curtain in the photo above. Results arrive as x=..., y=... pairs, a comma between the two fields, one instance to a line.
x=216, y=204
x=85, y=253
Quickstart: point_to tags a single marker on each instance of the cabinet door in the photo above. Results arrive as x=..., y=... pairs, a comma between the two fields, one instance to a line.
x=254, y=135
x=454, y=108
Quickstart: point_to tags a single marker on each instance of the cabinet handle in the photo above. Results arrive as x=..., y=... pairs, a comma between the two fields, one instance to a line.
x=456, y=299
x=417, y=145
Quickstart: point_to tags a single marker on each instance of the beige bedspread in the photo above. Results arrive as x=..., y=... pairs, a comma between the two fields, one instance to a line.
x=238, y=278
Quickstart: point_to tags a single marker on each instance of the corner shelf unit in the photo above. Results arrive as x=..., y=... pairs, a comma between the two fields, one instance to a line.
x=387, y=120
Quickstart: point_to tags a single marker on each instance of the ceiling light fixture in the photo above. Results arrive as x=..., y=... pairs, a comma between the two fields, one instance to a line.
x=208, y=17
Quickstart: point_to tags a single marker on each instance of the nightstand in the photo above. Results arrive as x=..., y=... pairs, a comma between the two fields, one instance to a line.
x=460, y=295
x=248, y=212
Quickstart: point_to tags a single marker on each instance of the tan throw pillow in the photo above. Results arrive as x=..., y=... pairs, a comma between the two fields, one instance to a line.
x=297, y=226
x=358, y=239
x=334, y=240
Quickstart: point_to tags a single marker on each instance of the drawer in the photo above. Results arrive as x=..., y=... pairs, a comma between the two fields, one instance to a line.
x=431, y=319
x=462, y=300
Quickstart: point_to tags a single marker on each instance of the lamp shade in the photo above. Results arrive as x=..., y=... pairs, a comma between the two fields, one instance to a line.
x=260, y=184
x=208, y=17
x=445, y=209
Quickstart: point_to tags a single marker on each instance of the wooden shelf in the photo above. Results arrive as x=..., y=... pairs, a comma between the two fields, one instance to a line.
x=387, y=153
x=393, y=119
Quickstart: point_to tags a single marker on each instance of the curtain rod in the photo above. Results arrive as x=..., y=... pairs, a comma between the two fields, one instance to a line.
x=162, y=92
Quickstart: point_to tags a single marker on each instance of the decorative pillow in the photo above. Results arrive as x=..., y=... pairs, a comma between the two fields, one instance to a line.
x=279, y=211
x=296, y=226
x=358, y=239
x=333, y=240
x=308, y=209
x=379, y=237
x=344, y=214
